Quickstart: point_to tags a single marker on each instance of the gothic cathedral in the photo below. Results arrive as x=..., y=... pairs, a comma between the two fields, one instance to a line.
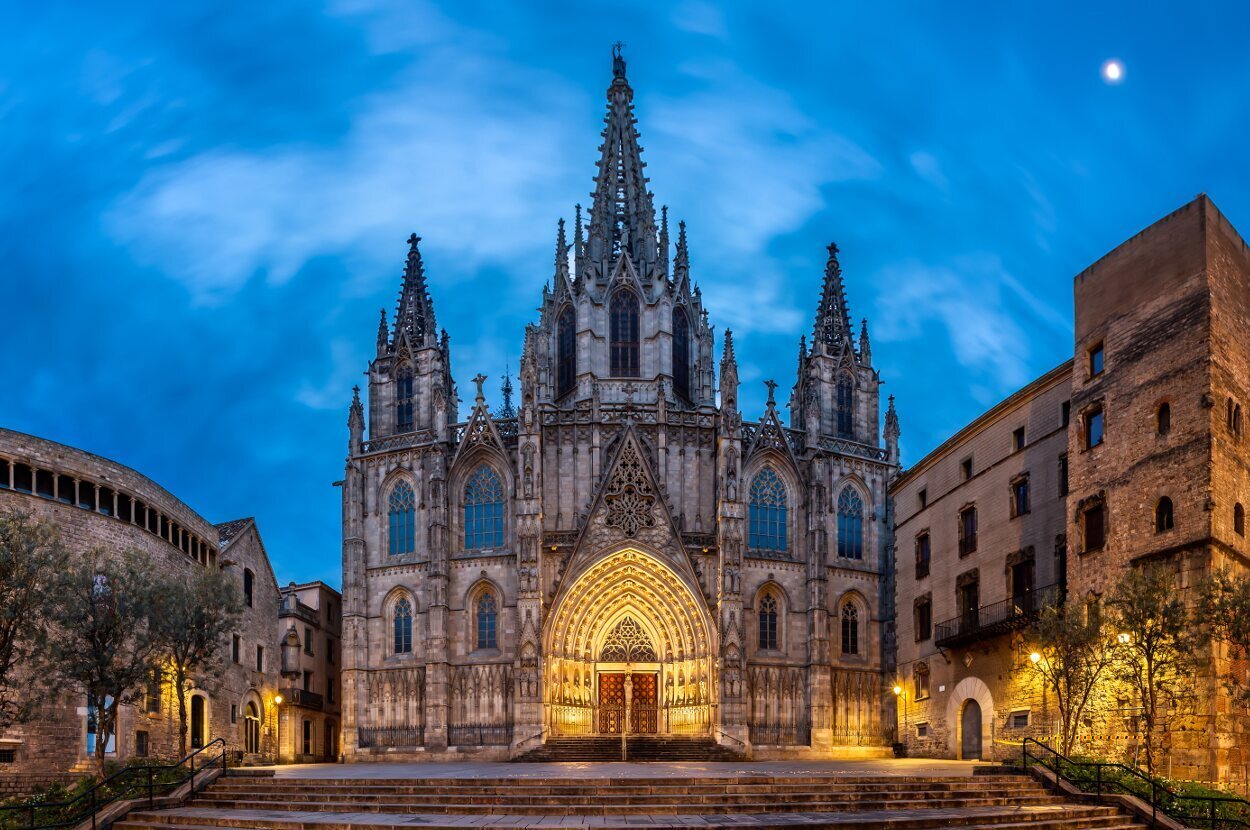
x=621, y=553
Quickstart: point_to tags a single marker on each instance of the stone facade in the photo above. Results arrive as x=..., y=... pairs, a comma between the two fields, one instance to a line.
x=309, y=637
x=980, y=526
x=1160, y=373
x=95, y=502
x=506, y=579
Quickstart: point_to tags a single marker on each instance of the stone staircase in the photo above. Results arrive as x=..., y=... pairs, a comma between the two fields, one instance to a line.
x=642, y=748
x=880, y=802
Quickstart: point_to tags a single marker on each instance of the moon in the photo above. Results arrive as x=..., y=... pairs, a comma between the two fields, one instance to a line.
x=1113, y=71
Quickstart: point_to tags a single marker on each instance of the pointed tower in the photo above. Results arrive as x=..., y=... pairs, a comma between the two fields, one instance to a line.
x=833, y=321
x=414, y=319
x=622, y=216
x=892, y=433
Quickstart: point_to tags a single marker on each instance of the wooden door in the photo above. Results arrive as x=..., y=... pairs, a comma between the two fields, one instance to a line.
x=611, y=702
x=970, y=727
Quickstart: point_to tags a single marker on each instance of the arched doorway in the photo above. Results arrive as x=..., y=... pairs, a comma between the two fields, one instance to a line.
x=629, y=628
x=251, y=729
x=970, y=731
x=198, y=721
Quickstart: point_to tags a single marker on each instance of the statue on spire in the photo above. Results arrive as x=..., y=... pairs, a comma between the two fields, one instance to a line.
x=618, y=60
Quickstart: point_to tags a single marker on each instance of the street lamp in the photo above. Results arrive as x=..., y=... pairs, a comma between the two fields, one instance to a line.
x=1124, y=638
x=1035, y=658
x=277, y=702
x=901, y=695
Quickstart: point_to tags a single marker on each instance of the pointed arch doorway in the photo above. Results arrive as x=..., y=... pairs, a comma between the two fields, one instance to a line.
x=629, y=646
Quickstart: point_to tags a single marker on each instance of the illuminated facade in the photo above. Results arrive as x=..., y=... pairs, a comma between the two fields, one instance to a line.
x=621, y=533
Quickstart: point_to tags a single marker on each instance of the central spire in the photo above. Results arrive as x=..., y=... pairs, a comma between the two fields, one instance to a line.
x=622, y=216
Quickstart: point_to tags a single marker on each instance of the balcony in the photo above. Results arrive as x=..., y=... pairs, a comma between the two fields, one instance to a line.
x=301, y=698
x=999, y=618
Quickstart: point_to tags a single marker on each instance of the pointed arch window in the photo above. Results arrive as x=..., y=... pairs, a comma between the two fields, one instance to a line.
x=845, y=406
x=402, y=516
x=850, y=524
x=1163, y=515
x=681, y=354
x=767, y=512
x=566, y=352
x=623, y=335
x=487, y=621
x=483, y=509
x=850, y=628
x=768, y=622
x=403, y=400
x=628, y=642
x=403, y=627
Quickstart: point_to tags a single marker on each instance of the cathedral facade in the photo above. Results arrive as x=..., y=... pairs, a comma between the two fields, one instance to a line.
x=622, y=552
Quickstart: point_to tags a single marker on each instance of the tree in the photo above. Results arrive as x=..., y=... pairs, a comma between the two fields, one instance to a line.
x=1225, y=606
x=1158, y=650
x=100, y=637
x=193, y=621
x=1074, y=652
x=31, y=557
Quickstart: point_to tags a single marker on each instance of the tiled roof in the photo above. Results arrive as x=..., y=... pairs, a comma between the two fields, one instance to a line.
x=226, y=531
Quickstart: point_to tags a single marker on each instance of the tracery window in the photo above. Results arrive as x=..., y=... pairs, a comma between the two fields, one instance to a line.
x=487, y=621
x=403, y=627
x=402, y=516
x=845, y=406
x=681, y=354
x=850, y=525
x=628, y=643
x=566, y=352
x=767, y=512
x=768, y=622
x=403, y=400
x=850, y=628
x=623, y=334
x=483, y=509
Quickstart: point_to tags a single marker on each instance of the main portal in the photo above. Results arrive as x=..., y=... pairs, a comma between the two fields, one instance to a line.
x=644, y=710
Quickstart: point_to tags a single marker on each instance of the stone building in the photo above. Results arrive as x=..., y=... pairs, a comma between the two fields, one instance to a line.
x=1151, y=441
x=95, y=502
x=309, y=634
x=980, y=524
x=512, y=578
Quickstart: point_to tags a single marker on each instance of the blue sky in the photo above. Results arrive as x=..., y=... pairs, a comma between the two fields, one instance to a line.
x=205, y=205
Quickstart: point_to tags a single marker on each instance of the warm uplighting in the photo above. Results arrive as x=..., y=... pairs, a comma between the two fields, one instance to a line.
x=277, y=699
x=1113, y=71
x=1124, y=639
x=898, y=690
x=1035, y=657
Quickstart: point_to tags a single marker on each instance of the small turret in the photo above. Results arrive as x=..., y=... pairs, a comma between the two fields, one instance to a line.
x=865, y=351
x=355, y=423
x=384, y=335
x=892, y=432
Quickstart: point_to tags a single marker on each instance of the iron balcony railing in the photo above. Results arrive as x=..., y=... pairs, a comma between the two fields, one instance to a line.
x=997, y=618
x=299, y=697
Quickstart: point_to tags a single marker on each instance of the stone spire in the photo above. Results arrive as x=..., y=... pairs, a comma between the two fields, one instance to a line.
x=355, y=423
x=865, y=350
x=729, y=383
x=579, y=247
x=384, y=334
x=563, y=279
x=506, y=409
x=681, y=263
x=622, y=215
x=663, y=240
x=415, y=317
x=833, y=321
x=892, y=432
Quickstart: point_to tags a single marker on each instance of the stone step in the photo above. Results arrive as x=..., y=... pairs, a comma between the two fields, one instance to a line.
x=565, y=781
x=654, y=786
x=1052, y=818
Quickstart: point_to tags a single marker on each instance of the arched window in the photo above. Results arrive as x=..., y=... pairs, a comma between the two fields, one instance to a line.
x=487, y=619
x=403, y=627
x=566, y=352
x=850, y=628
x=845, y=406
x=1239, y=519
x=403, y=400
x=1163, y=515
x=483, y=509
x=623, y=334
x=1163, y=419
x=768, y=621
x=850, y=524
x=767, y=514
x=248, y=579
x=403, y=519
x=681, y=354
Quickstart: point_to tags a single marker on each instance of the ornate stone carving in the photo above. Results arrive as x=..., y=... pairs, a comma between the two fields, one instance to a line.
x=630, y=496
x=628, y=643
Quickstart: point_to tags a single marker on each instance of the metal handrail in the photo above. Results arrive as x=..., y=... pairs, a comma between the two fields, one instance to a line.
x=1163, y=799
x=95, y=801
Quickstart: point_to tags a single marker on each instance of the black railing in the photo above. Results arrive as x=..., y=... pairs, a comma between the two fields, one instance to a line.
x=303, y=698
x=144, y=782
x=474, y=734
x=369, y=737
x=780, y=734
x=1106, y=778
x=998, y=618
